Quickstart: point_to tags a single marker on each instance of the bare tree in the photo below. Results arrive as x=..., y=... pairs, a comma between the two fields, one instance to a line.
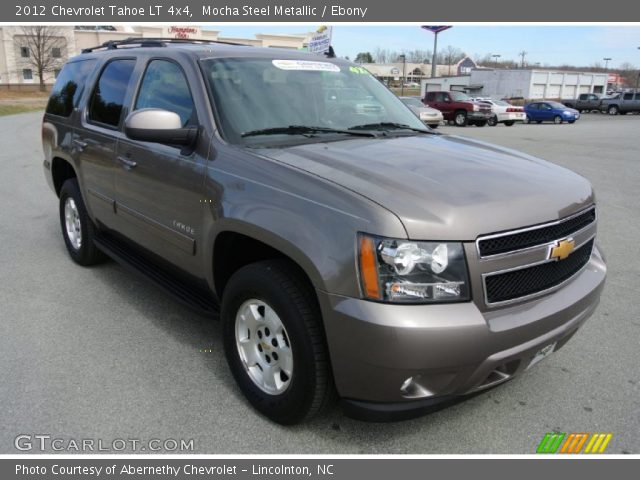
x=419, y=56
x=45, y=45
x=450, y=55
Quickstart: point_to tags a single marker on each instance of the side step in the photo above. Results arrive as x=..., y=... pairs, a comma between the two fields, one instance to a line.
x=193, y=297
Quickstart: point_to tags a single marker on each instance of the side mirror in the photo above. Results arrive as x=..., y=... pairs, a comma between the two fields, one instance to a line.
x=158, y=126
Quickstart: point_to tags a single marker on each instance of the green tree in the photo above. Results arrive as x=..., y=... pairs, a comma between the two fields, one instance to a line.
x=364, y=57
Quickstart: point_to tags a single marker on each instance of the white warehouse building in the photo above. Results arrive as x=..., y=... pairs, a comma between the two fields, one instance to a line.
x=530, y=84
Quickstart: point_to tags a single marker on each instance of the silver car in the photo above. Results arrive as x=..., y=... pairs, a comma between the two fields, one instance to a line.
x=429, y=116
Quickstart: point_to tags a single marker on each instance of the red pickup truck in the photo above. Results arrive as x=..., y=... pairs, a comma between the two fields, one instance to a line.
x=459, y=108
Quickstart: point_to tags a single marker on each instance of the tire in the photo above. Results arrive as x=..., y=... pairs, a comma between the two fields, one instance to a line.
x=481, y=123
x=493, y=121
x=460, y=119
x=572, y=121
x=613, y=110
x=527, y=120
x=538, y=122
x=509, y=123
x=435, y=125
x=269, y=288
x=557, y=119
x=79, y=231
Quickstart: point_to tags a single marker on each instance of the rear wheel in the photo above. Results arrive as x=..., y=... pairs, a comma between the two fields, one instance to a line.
x=510, y=123
x=460, y=118
x=613, y=110
x=493, y=121
x=274, y=341
x=557, y=119
x=78, y=230
x=434, y=125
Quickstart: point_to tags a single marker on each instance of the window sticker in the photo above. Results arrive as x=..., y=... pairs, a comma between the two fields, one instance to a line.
x=306, y=65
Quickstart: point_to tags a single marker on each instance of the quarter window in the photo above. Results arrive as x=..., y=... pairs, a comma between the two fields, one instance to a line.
x=165, y=86
x=108, y=97
x=68, y=87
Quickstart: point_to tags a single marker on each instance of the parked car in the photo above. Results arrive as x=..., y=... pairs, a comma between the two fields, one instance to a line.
x=622, y=104
x=584, y=102
x=503, y=112
x=429, y=116
x=345, y=251
x=547, y=111
x=459, y=108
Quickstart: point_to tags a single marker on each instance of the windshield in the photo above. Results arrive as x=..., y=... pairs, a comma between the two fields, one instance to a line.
x=557, y=105
x=265, y=97
x=459, y=97
x=414, y=102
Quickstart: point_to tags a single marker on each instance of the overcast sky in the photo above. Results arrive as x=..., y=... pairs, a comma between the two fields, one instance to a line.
x=575, y=45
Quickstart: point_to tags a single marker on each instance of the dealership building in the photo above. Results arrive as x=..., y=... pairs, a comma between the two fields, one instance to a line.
x=18, y=69
x=529, y=84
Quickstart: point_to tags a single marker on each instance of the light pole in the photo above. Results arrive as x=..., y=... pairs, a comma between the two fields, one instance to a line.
x=404, y=66
x=606, y=63
x=496, y=57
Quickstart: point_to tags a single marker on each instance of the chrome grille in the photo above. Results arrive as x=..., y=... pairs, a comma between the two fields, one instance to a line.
x=523, y=282
x=520, y=264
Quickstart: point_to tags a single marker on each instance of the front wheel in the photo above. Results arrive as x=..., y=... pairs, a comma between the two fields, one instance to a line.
x=613, y=110
x=460, y=119
x=78, y=230
x=493, y=121
x=557, y=119
x=274, y=342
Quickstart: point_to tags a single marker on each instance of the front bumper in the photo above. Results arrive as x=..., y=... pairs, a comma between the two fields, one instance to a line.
x=449, y=350
x=474, y=116
x=570, y=117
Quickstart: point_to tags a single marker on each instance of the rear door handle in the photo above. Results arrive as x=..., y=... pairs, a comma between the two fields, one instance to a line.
x=128, y=163
x=80, y=144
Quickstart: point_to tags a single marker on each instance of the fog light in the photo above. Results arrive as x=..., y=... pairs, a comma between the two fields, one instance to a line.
x=412, y=389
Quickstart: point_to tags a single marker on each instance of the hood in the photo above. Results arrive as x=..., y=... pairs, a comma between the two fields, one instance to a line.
x=445, y=187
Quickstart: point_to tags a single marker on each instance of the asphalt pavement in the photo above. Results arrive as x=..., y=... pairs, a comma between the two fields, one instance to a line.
x=100, y=354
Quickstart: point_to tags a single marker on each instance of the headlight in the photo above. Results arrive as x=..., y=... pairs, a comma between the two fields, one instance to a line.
x=567, y=112
x=405, y=271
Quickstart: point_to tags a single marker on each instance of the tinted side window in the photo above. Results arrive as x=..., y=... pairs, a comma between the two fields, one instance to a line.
x=108, y=96
x=69, y=87
x=165, y=86
x=628, y=96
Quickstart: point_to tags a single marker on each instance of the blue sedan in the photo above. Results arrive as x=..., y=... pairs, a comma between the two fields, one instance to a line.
x=550, y=112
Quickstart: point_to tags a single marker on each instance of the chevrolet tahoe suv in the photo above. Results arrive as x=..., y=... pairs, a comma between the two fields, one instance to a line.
x=349, y=252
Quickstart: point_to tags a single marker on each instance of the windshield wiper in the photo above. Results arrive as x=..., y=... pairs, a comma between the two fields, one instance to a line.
x=389, y=126
x=303, y=129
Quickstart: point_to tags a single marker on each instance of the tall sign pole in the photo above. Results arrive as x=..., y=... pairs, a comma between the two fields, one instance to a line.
x=435, y=29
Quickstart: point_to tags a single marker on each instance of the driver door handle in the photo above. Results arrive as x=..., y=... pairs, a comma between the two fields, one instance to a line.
x=127, y=162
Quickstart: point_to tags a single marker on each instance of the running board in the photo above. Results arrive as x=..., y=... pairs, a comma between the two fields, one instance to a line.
x=195, y=298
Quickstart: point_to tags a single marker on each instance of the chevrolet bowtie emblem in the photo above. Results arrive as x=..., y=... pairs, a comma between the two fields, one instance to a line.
x=562, y=249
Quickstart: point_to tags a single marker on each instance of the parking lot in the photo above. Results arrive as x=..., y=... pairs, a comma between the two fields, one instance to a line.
x=99, y=353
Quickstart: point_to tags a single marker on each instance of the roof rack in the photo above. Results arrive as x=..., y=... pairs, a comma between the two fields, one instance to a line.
x=153, y=42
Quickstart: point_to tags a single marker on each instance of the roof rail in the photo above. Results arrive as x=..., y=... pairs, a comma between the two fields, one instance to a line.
x=153, y=42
